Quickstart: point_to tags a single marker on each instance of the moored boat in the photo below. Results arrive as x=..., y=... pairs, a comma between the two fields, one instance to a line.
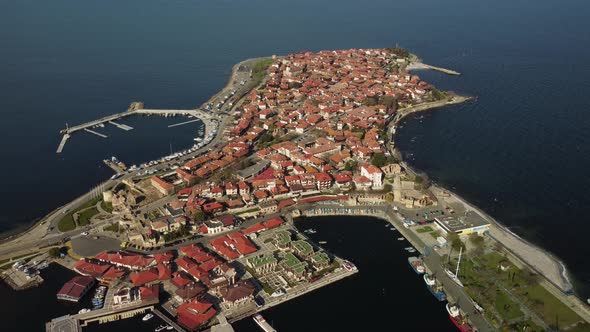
x=147, y=317
x=263, y=324
x=457, y=318
x=417, y=264
x=434, y=287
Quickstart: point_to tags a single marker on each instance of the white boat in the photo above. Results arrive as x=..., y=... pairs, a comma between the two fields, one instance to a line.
x=323, y=242
x=349, y=266
x=400, y=238
x=263, y=324
x=83, y=311
x=169, y=328
x=147, y=317
x=455, y=276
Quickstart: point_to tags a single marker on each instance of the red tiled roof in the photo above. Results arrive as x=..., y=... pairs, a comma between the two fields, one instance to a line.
x=195, y=313
x=273, y=222
x=144, y=277
x=92, y=269
x=128, y=259
x=149, y=292
x=76, y=287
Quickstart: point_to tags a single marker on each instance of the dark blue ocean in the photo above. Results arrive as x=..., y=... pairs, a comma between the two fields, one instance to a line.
x=521, y=151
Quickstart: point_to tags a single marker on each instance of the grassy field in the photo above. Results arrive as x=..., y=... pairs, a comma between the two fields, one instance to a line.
x=84, y=216
x=425, y=229
x=107, y=206
x=484, y=278
x=259, y=70
x=67, y=223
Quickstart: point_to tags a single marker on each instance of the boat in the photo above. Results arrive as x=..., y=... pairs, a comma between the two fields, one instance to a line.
x=83, y=311
x=310, y=231
x=160, y=328
x=348, y=266
x=278, y=292
x=263, y=324
x=400, y=238
x=147, y=317
x=457, y=318
x=417, y=264
x=434, y=287
x=455, y=276
x=323, y=242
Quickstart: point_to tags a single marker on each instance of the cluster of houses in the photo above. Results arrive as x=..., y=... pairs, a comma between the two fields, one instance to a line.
x=337, y=103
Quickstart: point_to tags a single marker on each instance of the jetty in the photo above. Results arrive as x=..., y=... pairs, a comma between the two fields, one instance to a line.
x=134, y=109
x=420, y=65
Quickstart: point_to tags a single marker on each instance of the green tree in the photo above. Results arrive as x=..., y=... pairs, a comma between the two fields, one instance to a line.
x=476, y=240
x=400, y=52
x=351, y=165
x=379, y=159
x=437, y=94
x=200, y=216
x=54, y=252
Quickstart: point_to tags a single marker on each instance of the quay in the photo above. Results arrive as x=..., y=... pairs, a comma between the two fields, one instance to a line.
x=75, y=323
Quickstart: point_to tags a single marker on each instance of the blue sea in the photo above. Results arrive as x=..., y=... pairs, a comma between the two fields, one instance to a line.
x=521, y=151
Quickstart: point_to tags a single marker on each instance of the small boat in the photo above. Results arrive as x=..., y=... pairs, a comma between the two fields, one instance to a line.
x=169, y=328
x=147, y=317
x=400, y=238
x=160, y=328
x=417, y=264
x=83, y=311
x=323, y=242
x=263, y=324
x=310, y=231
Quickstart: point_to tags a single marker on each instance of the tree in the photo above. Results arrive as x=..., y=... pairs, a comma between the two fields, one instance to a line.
x=400, y=52
x=351, y=165
x=200, y=216
x=476, y=240
x=379, y=159
x=455, y=241
x=54, y=252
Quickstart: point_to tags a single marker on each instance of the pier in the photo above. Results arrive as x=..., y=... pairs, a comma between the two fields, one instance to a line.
x=168, y=320
x=134, y=108
x=121, y=126
x=183, y=123
x=64, y=139
x=95, y=133
x=420, y=65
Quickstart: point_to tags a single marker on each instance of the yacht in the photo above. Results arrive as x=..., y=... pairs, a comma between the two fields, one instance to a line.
x=147, y=317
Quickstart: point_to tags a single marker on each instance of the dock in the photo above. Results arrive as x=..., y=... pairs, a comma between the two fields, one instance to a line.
x=121, y=126
x=95, y=133
x=420, y=65
x=168, y=320
x=64, y=139
x=183, y=123
x=134, y=108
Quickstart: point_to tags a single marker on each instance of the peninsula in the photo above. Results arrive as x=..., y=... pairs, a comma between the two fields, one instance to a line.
x=205, y=236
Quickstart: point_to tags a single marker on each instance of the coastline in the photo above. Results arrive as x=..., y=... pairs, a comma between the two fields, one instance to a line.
x=38, y=229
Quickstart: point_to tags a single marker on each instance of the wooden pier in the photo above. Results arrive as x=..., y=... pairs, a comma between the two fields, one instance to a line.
x=95, y=133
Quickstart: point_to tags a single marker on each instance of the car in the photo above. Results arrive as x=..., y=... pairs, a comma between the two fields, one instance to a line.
x=85, y=233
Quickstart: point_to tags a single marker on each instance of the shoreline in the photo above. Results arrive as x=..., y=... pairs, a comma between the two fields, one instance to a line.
x=18, y=235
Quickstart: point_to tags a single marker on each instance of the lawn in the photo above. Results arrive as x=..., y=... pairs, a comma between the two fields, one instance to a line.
x=114, y=227
x=425, y=229
x=548, y=306
x=84, y=216
x=107, y=206
x=66, y=223
x=507, y=308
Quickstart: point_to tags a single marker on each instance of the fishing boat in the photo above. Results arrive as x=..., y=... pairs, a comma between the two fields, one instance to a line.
x=417, y=264
x=457, y=318
x=434, y=287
